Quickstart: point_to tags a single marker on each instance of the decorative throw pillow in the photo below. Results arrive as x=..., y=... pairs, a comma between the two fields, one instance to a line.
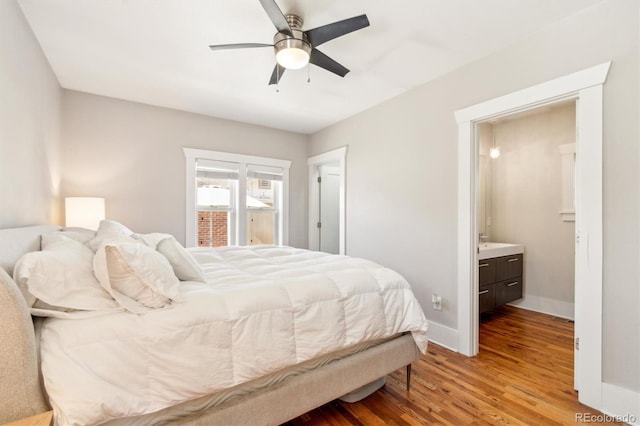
x=138, y=277
x=81, y=235
x=60, y=278
x=183, y=263
x=111, y=226
x=152, y=240
x=110, y=231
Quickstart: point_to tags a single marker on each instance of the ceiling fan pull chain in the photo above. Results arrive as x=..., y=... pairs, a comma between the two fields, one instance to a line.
x=308, y=73
x=277, y=79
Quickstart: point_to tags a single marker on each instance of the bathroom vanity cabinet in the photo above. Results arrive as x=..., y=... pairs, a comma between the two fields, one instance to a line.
x=500, y=280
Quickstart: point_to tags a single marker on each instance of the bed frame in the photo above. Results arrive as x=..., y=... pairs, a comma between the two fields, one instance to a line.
x=22, y=393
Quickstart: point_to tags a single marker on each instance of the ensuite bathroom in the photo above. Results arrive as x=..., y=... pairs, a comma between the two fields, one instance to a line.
x=526, y=215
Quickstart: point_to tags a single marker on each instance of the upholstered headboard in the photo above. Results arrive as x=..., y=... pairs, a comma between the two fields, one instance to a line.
x=21, y=394
x=15, y=242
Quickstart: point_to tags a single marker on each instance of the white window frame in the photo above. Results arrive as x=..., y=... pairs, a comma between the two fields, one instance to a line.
x=232, y=210
x=192, y=154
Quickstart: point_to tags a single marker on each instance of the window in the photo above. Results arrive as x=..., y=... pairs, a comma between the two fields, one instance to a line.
x=216, y=189
x=216, y=216
x=264, y=192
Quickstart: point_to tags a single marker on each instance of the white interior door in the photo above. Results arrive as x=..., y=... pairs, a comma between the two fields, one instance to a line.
x=329, y=205
x=327, y=201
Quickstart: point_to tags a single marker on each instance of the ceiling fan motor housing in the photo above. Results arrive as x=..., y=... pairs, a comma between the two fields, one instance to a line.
x=292, y=52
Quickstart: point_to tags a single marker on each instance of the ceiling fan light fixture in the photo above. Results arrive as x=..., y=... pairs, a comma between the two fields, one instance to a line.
x=294, y=49
x=292, y=53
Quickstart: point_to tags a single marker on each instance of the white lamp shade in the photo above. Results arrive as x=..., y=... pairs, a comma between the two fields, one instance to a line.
x=84, y=212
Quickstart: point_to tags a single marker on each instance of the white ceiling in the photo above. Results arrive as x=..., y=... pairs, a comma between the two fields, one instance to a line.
x=156, y=51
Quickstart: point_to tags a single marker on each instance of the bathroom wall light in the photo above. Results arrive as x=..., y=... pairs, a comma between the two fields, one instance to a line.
x=84, y=212
x=494, y=152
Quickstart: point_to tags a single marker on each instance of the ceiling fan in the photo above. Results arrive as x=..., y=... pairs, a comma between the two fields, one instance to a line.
x=296, y=48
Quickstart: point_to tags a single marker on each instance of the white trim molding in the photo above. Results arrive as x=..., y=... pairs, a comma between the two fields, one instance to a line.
x=339, y=156
x=444, y=336
x=545, y=305
x=621, y=404
x=568, y=159
x=584, y=87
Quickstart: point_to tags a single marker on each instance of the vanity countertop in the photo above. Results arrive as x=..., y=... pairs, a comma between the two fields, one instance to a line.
x=489, y=249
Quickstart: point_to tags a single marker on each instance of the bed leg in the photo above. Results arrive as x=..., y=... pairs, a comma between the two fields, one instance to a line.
x=408, y=376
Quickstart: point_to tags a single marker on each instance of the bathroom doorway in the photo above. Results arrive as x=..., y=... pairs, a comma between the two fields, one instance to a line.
x=526, y=197
x=586, y=88
x=525, y=193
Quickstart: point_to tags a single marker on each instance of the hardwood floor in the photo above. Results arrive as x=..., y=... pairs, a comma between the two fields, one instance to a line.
x=522, y=376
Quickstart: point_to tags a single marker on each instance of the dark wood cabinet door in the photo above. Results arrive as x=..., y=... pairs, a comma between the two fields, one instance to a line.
x=487, y=271
x=508, y=267
x=508, y=291
x=486, y=298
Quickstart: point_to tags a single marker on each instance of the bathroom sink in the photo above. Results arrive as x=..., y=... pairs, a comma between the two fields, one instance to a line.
x=489, y=249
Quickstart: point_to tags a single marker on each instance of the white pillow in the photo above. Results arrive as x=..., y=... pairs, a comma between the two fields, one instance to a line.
x=81, y=235
x=138, y=277
x=183, y=263
x=60, y=278
x=110, y=231
x=152, y=239
x=107, y=226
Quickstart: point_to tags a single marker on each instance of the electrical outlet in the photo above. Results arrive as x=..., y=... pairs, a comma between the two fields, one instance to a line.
x=437, y=302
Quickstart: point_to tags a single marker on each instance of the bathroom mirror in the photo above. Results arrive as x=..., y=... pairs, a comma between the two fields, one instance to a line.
x=485, y=143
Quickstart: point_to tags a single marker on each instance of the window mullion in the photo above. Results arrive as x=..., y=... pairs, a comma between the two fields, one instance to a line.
x=232, y=231
x=241, y=222
x=277, y=202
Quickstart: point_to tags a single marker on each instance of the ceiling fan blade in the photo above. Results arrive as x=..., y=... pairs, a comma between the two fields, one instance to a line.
x=276, y=16
x=238, y=46
x=323, y=61
x=276, y=75
x=323, y=34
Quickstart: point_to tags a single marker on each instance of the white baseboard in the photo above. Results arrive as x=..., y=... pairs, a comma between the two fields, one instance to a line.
x=545, y=305
x=621, y=404
x=443, y=336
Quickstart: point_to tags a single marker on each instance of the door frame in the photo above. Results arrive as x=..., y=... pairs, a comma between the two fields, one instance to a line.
x=586, y=88
x=338, y=156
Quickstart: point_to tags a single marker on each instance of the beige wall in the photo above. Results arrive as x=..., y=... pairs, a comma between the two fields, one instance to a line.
x=131, y=154
x=527, y=199
x=29, y=125
x=402, y=168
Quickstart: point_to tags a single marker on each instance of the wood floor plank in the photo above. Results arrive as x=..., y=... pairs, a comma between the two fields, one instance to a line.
x=522, y=376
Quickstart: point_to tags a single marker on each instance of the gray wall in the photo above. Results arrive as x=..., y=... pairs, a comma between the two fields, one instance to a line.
x=131, y=154
x=402, y=168
x=29, y=125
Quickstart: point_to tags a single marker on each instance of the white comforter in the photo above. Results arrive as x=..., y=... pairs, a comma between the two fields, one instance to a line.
x=263, y=309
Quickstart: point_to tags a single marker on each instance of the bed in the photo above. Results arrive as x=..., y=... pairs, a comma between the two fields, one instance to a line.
x=248, y=336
